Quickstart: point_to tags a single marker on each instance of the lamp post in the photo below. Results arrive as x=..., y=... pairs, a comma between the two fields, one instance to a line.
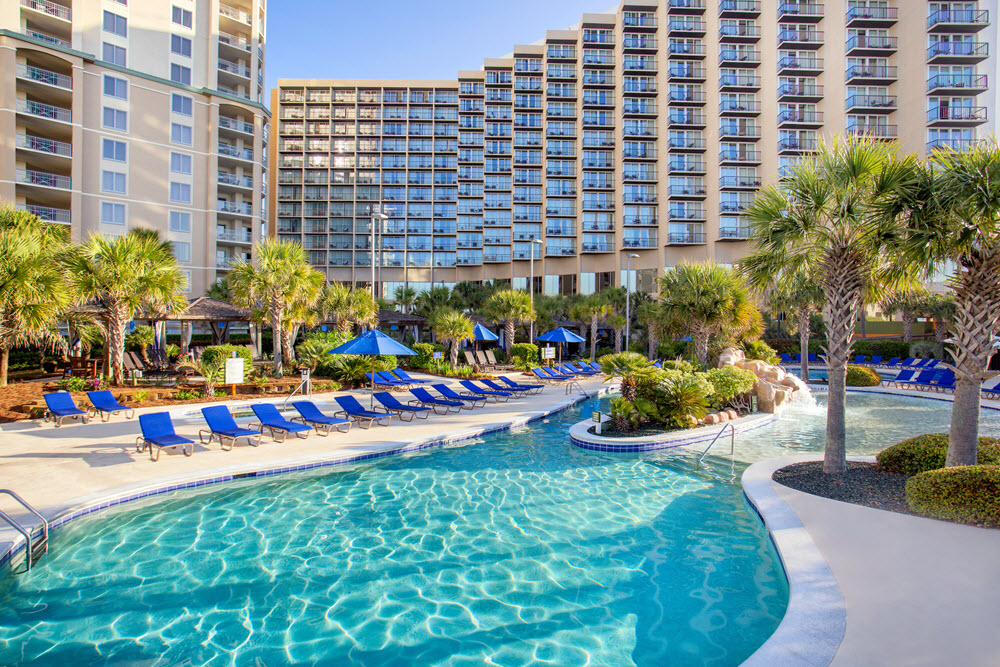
x=531, y=285
x=377, y=214
x=628, y=301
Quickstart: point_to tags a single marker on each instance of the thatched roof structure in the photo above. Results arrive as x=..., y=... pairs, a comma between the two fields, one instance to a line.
x=397, y=318
x=207, y=309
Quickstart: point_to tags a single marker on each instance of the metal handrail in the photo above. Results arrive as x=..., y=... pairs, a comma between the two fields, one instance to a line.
x=19, y=528
x=26, y=534
x=307, y=380
x=732, y=441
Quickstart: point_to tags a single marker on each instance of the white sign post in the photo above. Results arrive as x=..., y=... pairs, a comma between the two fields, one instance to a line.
x=549, y=353
x=234, y=370
x=597, y=418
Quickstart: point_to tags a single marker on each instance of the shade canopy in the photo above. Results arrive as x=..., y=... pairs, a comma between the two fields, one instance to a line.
x=479, y=332
x=560, y=335
x=373, y=342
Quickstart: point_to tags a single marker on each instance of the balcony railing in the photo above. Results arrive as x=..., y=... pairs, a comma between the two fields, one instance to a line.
x=959, y=49
x=957, y=114
x=686, y=166
x=239, y=208
x=687, y=191
x=739, y=81
x=45, y=76
x=233, y=92
x=800, y=36
x=642, y=220
x=739, y=6
x=951, y=17
x=560, y=250
x=738, y=182
x=745, y=131
x=686, y=214
x=733, y=206
x=792, y=144
x=739, y=55
x=639, y=21
x=739, y=156
x=686, y=238
x=681, y=24
x=603, y=246
x=235, y=124
x=736, y=32
x=739, y=106
x=55, y=41
x=40, y=110
x=234, y=41
x=866, y=14
x=639, y=243
x=226, y=178
x=800, y=64
x=973, y=81
x=234, y=151
x=44, y=145
x=234, y=13
x=872, y=43
x=953, y=144
x=686, y=4
x=44, y=179
x=799, y=10
x=734, y=233
x=236, y=236
x=47, y=7
x=872, y=101
x=799, y=90
x=47, y=213
x=875, y=130
x=234, y=68
x=871, y=72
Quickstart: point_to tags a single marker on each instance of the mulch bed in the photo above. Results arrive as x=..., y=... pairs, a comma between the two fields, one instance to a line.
x=862, y=484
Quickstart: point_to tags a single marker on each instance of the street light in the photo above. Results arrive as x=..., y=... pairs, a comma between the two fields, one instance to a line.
x=377, y=214
x=531, y=286
x=628, y=303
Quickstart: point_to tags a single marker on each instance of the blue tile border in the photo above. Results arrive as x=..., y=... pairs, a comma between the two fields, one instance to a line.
x=671, y=440
x=70, y=515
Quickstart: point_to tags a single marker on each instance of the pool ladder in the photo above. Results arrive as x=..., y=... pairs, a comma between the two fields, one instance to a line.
x=34, y=548
x=732, y=441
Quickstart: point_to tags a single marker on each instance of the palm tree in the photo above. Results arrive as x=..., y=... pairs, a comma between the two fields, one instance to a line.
x=513, y=307
x=940, y=308
x=219, y=290
x=798, y=292
x=427, y=303
x=302, y=311
x=452, y=327
x=705, y=300
x=32, y=283
x=591, y=310
x=276, y=280
x=909, y=303
x=123, y=275
x=829, y=217
x=617, y=323
x=956, y=218
x=631, y=367
x=346, y=307
x=405, y=297
x=648, y=314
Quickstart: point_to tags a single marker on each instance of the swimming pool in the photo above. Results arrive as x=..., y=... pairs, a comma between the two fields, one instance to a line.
x=517, y=548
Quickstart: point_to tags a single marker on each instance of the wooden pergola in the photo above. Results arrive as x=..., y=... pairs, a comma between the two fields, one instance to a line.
x=217, y=314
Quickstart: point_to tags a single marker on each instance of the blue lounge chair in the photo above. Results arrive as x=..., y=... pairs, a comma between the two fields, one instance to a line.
x=531, y=388
x=931, y=363
x=945, y=380
x=275, y=424
x=922, y=381
x=992, y=389
x=910, y=362
x=859, y=359
x=796, y=358
x=453, y=395
x=490, y=394
x=904, y=375
x=786, y=358
x=380, y=382
x=424, y=397
x=490, y=384
x=558, y=375
x=570, y=368
x=813, y=358
x=892, y=363
x=404, y=412
x=221, y=425
x=657, y=364
x=353, y=410
x=158, y=431
x=322, y=424
x=389, y=378
x=545, y=377
x=60, y=405
x=585, y=367
x=876, y=360
x=594, y=365
x=105, y=405
x=405, y=377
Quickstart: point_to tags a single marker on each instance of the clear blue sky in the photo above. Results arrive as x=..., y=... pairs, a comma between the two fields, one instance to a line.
x=403, y=39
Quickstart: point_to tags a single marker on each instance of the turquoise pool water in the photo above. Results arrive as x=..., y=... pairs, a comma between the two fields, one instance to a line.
x=518, y=549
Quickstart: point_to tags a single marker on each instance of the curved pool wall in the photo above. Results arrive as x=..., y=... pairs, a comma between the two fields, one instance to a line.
x=520, y=549
x=580, y=436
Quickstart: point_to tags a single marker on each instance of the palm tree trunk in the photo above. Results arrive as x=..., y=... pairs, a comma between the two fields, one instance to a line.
x=508, y=329
x=5, y=362
x=117, y=321
x=652, y=343
x=593, y=339
x=454, y=354
x=276, y=334
x=701, y=346
x=835, y=453
x=618, y=340
x=908, y=320
x=804, y=344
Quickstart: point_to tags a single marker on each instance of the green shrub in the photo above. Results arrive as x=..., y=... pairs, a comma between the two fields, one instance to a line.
x=139, y=337
x=862, y=376
x=887, y=348
x=215, y=352
x=673, y=349
x=678, y=365
x=185, y=395
x=923, y=349
x=524, y=354
x=74, y=384
x=928, y=452
x=350, y=369
x=730, y=382
x=758, y=349
x=424, y=354
x=682, y=401
x=967, y=494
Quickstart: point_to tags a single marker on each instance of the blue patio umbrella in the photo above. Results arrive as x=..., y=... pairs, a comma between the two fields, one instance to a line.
x=479, y=332
x=372, y=343
x=560, y=335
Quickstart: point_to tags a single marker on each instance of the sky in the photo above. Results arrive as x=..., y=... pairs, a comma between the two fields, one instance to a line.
x=405, y=39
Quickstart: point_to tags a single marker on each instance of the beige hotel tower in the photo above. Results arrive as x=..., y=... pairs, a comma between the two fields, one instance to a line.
x=632, y=140
x=138, y=113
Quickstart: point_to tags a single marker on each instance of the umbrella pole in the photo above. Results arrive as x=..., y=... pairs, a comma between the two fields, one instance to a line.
x=371, y=398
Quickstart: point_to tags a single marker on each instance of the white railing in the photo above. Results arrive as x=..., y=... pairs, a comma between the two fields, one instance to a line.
x=233, y=13
x=44, y=110
x=48, y=7
x=44, y=145
x=45, y=179
x=44, y=76
x=34, y=34
x=47, y=213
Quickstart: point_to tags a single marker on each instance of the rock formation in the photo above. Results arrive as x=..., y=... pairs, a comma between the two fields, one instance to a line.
x=774, y=387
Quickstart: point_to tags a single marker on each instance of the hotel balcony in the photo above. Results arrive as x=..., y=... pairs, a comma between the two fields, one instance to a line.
x=647, y=243
x=240, y=236
x=641, y=221
x=734, y=206
x=47, y=213
x=685, y=26
x=739, y=183
x=235, y=46
x=686, y=71
x=802, y=12
x=232, y=180
x=871, y=103
x=638, y=20
x=871, y=45
x=797, y=118
x=736, y=34
x=560, y=250
x=647, y=151
x=685, y=50
x=239, y=15
x=734, y=82
x=46, y=154
x=793, y=92
x=876, y=75
x=739, y=107
x=233, y=73
x=686, y=6
x=958, y=52
x=953, y=144
x=789, y=38
x=682, y=143
x=731, y=233
x=51, y=18
x=42, y=179
x=597, y=246
x=682, y=120
x=233, y=92
x=692, y=235
x=958, y=20
x=796, y=145
x=739, y=8
x=635, y=176
x=41, y=115
x=681, y=214
x=44, y=188
x=740, y=156
x=729, y=57
x=641, y=42
x=792, y=65
x=875, y=131
x=952, y=116
x=237, y=125
x=957, y=84
x=231, y=151
x=686, y=166
x=50, y=40
x=738, y=131
x=872, y=17
x=696, y=191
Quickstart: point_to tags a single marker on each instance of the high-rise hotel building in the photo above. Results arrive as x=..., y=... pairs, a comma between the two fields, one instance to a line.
x=138, y=113
x=633, y=140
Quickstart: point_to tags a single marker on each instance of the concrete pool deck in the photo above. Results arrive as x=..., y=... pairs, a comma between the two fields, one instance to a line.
x=71, y=470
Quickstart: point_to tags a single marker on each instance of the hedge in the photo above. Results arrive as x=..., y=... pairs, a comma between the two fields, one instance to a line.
x=887, y=348
x=214, y=352
x=792, y=345
x=967, y=494
x=928, y=452
x=862, y=376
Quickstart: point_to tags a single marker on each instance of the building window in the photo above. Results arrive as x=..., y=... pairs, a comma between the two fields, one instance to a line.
x=114, y=54
x=115, y=87
x=112, y=214
x=180, y=74
x=114, y=150
x=182, y=251
x=180, y=222
x=180, y=134
x=115, y=119
x=180, y=192
x=115, y=24
x=113, y=181
x=182, y=17
x=181, y=104
x=180, y=163
x=180, y=45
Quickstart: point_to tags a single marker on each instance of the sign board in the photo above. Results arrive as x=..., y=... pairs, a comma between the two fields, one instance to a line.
x=596, y=417
x=234, y=370
x=439, y=355
x=549, y=353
